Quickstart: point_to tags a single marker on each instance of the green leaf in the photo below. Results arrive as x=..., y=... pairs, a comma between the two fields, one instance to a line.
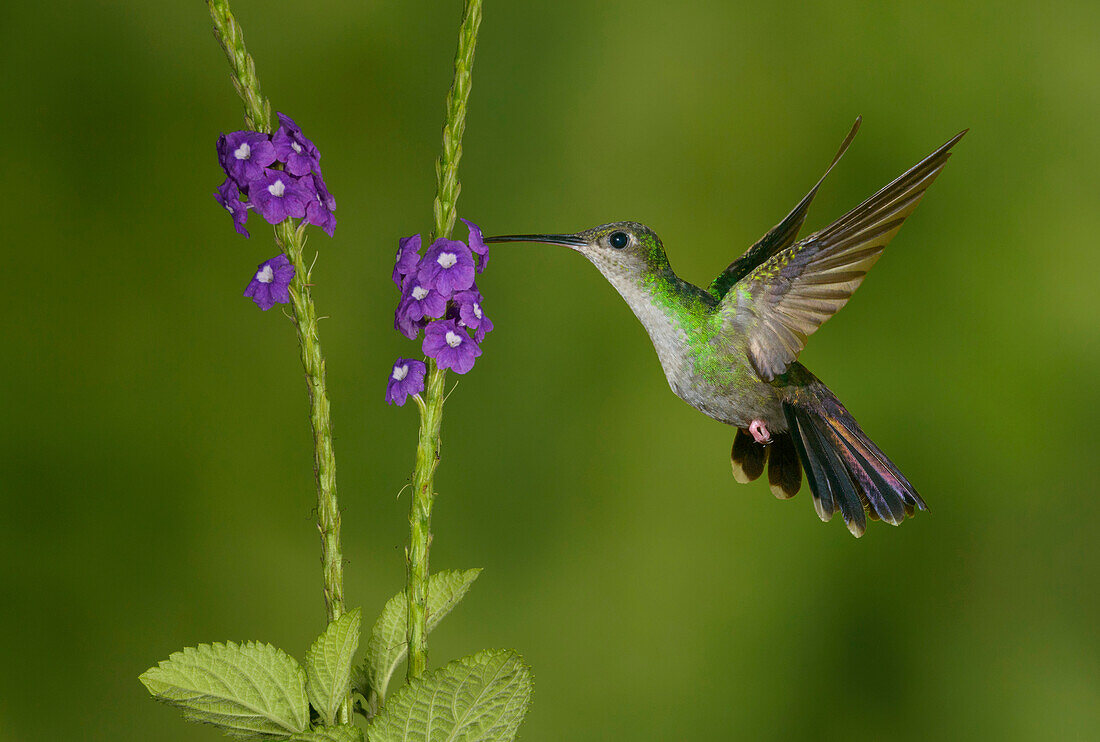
x=387, y=647
x=328, y=665
x=342, y=733
x=247, y=690
x=474, y=699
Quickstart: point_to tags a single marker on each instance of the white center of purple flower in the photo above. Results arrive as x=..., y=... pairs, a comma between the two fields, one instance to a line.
x=419, y=293
x=477, y=310
x=453, y=339
x=265, y=274
x=277, y=189
x=447, y=259
x=243, y=152
x=400, y=372
x=296, y=147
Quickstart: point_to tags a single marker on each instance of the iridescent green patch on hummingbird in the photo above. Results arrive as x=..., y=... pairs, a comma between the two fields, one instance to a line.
x=731, y=351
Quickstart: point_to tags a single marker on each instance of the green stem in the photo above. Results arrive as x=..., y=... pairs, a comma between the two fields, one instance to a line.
x=257, y=111
x=446, y=167
x=291, y=240
x=431, y=412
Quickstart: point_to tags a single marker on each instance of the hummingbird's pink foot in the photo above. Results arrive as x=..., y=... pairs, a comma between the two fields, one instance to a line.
x=760, y=432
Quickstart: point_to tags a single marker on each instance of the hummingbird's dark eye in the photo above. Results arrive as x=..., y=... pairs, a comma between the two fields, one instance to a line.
x=618, y=240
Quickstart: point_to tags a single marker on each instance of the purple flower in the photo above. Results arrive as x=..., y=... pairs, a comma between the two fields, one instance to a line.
x=485, y=329
x=318, y=211
x=451, y=348
x=477, y=244
x=322, y=190
x=408, y=257
x=244, y=155
x=410, y=328
x=418, y=301
x=470, y=313
x=447, y=267
x=317, y=214
x=406, y=377
x=292, y=148
x=229, y=196
x=270, y=285
x=278, y=195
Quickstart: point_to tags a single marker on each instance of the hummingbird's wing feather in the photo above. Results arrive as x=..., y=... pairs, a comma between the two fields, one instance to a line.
x=779, y=236
x=783, y=301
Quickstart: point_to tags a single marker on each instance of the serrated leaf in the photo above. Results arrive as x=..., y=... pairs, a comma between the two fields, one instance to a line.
x=328, y=665
x=342, y=733
x=481, y=698
x=387, y=647
x=247, y=690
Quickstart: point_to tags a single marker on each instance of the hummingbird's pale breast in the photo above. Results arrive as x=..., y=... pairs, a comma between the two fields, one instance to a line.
x=704, y=364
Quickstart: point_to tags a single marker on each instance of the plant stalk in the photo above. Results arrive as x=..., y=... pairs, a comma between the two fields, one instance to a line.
x=291, y=240
x=257, y=111
x=431, y=414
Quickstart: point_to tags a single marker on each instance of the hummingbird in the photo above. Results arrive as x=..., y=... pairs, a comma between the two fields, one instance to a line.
x=731, y=350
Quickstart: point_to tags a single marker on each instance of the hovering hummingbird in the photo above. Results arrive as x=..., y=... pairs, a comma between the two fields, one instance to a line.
x=730, y=351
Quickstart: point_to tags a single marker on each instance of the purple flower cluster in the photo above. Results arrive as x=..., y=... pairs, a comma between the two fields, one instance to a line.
x=438, y=295
x=278, y=175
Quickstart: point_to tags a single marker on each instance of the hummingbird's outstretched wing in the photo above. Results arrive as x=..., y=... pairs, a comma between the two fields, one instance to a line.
x=779, y=236
x=784, y=300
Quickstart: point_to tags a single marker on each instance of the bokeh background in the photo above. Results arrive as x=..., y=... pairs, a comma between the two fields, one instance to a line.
x=155, y=456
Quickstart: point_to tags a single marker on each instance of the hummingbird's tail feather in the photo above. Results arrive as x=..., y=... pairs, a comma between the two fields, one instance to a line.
x=747, y=457
x=784, y=468
x=845, y=469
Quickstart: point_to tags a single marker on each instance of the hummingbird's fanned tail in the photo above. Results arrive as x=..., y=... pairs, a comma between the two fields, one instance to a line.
x=845, y=469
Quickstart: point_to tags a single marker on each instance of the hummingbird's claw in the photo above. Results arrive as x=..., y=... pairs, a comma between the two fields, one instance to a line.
x=760, y=432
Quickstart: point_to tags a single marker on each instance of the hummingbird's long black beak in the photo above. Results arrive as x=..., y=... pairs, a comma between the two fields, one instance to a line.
x=550, y=239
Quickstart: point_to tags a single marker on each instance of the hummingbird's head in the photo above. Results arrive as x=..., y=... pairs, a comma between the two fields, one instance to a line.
x=619, y=249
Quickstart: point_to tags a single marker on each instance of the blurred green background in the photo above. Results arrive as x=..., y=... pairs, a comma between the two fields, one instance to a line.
x=155, y=464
